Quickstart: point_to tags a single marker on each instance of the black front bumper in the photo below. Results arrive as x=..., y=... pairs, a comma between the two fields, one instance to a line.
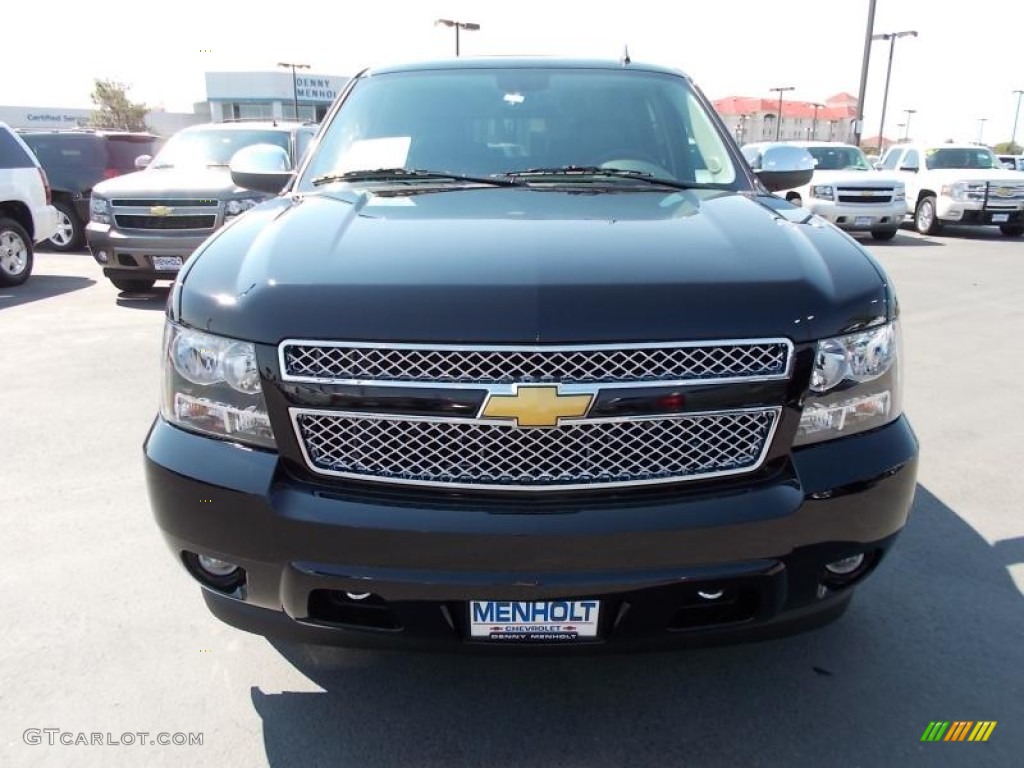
x=303, y=546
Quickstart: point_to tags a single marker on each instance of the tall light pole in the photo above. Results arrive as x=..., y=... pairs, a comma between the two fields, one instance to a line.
x=858, y=122
x=778, y=122
x=814, y=125
x=891, y=37
x=906, y=136
x=295, y=83
x=467, y=25
x=981, y=128
x=1016, y=115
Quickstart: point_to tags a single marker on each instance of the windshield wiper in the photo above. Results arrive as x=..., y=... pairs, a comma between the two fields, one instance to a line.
x=411, y=174
x=594, y=170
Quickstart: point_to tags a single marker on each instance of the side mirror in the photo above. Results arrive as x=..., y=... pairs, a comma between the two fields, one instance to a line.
x=785, y=166
x=142, y=161
x=879, y=167
x=261, y=167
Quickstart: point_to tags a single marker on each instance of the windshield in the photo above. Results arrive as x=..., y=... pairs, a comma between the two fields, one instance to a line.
x=213, y=147
x=839, y=159
x=960, y=157
x=485, y=122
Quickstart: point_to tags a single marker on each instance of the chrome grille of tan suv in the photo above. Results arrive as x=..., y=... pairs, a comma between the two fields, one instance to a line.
x=478, y=451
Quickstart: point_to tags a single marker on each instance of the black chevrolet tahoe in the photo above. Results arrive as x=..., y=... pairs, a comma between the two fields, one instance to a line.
x=524, y=355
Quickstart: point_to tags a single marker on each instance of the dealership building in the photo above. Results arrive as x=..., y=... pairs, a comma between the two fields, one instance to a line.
x=229, y=96
x=250, y=95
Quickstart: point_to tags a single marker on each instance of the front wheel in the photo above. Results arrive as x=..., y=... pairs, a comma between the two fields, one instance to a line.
x=132, y=286
x=70, y=234
x=884, y=234
x=926, y=220
x=15, y=253
x=1012, y=230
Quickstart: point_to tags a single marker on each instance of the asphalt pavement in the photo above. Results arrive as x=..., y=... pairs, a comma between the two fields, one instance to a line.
x=103, y=634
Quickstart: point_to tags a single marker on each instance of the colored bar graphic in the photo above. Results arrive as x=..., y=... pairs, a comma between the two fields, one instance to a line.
x=958, y=730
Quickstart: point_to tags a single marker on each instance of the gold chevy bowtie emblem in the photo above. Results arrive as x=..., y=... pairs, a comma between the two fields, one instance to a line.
x=533, y=406
x=160, y=210
x=1003, y=191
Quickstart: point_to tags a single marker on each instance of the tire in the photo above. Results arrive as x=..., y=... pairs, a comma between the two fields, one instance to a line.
x=15, y=253
x=132, y=286
x=884, y=234
x=70, y=232
x=926, y=220
x=1012, y=230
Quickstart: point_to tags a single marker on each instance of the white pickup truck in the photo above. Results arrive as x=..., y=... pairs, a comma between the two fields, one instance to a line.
x=26, y=215
x=846, y=190
x=951, y=184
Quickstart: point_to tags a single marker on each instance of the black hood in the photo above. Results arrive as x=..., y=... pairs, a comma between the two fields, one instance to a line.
x=523, y=265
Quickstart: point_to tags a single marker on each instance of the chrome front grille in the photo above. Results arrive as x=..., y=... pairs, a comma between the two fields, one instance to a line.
x=468, y=453
x=326, y=362
x=180, y=214
x=864, y=195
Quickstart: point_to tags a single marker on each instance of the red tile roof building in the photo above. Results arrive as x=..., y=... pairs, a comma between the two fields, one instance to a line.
x=754, y=119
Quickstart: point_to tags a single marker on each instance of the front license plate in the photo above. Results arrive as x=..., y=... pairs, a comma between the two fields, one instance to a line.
x=998, y=218
x=862, y=221
x=167, y=262
x=548, y=621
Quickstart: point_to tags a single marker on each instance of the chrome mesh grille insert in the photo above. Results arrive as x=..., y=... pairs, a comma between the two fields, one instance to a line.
x=487, y=455
x=325, y=362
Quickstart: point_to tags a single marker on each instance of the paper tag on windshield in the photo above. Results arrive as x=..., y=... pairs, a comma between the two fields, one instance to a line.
x=371, y=154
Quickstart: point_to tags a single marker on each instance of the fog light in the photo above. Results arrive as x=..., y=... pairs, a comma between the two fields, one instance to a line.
x=102, y=256
x=216, y=567
x=846, y=566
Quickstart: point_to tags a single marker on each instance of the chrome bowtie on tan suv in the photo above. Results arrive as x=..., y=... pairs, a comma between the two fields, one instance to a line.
x=143, y=226
x=525, y=356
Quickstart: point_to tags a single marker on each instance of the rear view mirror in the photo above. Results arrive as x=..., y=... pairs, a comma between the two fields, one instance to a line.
x=784, y=166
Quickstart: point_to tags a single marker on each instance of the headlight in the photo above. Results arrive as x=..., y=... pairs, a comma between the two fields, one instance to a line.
x=212, y=385
x=855, y=385
x=823, y=192
x=240, y=206
x=99, y=210
x=963, y=191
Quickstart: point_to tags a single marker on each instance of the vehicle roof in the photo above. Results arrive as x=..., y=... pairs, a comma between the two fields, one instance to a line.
x=85, y=132
x=938, y=145
x=519, y=62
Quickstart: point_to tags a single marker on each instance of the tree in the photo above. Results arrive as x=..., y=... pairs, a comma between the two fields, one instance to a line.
x=1009, y=148
x=114, y=109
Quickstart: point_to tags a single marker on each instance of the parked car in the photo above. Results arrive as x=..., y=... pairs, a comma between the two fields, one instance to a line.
x=525, y=353
x=75, y=161
x=144, y=225
x=26, y=215
x=1012, y=162
x=845, y=189
x=953, y=184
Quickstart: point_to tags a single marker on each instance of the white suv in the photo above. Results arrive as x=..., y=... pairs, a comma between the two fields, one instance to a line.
x=958, y=184
x=845, y=189
x=26, y=216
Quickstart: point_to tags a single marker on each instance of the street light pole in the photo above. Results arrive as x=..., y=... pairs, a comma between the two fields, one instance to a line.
x=891, y=37
x=981, y=128
x=1016, y=115
x=906, y=136
x=295, y=84
x=814, y=125
x=467, y=25
x=858, y=123
x=778, y=122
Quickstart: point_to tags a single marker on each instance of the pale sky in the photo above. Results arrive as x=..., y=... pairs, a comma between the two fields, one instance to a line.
x=963, y=66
